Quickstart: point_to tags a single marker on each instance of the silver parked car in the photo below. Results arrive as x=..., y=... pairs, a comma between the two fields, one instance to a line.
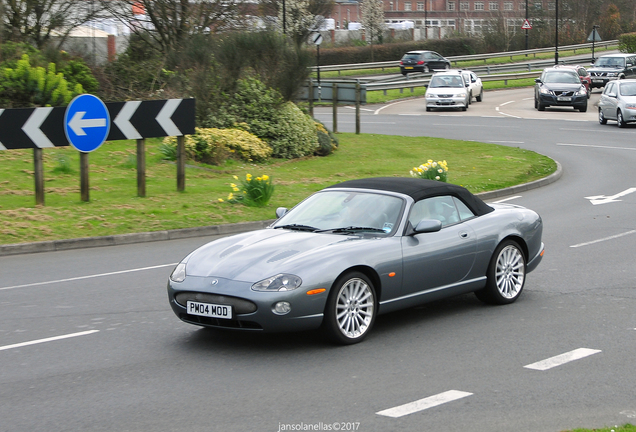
x=355, y=250
x=618, y=102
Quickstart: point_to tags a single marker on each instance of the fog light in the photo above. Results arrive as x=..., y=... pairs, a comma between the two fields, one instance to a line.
x=281, y=308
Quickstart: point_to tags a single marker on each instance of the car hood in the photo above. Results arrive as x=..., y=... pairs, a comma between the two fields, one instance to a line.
x=259, y=254
x=562, y=86
x=445, y=90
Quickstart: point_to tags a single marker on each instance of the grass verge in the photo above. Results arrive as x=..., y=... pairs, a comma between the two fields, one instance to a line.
x=114, y=207
x=626, y=428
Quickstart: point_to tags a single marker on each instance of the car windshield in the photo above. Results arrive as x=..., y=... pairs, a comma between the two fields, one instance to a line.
x=561, y=77
x=615, y=62
x=344, y=212
x=446, y=81
x=628, y=89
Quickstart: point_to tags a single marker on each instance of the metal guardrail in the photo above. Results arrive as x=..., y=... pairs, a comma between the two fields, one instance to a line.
x=455, y=59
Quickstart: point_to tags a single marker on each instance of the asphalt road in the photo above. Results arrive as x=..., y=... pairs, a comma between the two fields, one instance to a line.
x=89, y=343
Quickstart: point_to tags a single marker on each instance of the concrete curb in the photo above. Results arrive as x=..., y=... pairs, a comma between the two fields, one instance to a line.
x=214, y=230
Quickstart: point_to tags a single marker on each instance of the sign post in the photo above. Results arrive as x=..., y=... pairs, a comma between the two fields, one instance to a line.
x=316, y=38
x=594, y=37
x=86, y=125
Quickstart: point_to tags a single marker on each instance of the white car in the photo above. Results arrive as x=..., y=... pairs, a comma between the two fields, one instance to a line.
x=447, y=90
x=475, y=87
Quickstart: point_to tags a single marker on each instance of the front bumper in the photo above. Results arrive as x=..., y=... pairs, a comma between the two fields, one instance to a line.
x=446, y=102
x=252, y=310
x=548, y=99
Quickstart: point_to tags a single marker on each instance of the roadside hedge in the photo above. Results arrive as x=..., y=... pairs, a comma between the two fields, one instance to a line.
x=627, y=43
x=395, y=51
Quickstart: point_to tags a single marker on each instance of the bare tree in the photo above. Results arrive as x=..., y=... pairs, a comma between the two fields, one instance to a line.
x=38, y=21
x=168, y=23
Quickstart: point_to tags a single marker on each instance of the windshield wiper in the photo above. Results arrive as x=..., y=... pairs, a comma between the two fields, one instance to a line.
x=352, y=229
x=297, y=227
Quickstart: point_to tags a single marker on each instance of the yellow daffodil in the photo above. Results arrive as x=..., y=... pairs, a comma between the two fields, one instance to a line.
x=265, y=177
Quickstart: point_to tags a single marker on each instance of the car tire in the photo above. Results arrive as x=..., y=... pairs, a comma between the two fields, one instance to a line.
x=480, y=97
x=601, y=117
x=470, y=98
x=465, y=107
x=506, y=275
x=351, y=309
x=583, y=108
x=541, y=107
x=429, y=109
x=620, y=121
x=426, y=69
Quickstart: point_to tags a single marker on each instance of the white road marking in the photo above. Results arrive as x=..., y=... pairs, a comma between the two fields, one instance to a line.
x=422, y=404
x=562, y=359
x=506, y=103
x=596, y=146
x=506, y=142
x=604, y=239
x=51, y=339
x=508, y=199
x=88, y=277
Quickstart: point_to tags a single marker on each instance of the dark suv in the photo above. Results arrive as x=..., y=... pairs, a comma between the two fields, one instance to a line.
x=423, y=61
x=559, y=87
x=612, y=66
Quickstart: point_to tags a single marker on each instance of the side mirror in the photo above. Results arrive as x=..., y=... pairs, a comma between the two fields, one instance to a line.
x=427, y=226
x=537, y=80
x=280, y=212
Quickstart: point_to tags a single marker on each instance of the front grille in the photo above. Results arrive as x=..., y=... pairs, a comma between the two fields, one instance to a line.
x=564, y=93
x=216, y=322
x=598, y=74
x=240, y=306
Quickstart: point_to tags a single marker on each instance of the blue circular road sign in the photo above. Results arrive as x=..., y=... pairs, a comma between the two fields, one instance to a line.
x=86, y=123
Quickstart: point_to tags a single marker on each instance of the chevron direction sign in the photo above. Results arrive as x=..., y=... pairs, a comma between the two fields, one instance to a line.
x=23, y=128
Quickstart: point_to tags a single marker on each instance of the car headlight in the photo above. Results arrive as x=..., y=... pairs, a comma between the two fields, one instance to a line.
x=544, y=90
x=179, y=273
x=431, y=96
x=630, y=106
x=280, y=282
x=461, y=95
x=612, y=74
x=582, y=91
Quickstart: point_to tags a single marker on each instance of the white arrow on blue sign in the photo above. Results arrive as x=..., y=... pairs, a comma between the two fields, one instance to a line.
x=86, y=123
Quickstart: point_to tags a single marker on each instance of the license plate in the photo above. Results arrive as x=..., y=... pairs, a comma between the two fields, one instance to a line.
x=209, y=310
x=408, y=67
x=564, y=99
x=597, y=80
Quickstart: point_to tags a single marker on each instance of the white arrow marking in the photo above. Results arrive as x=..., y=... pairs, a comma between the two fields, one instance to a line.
x=122, y=121
x=2, y=147
x=78, y=123
x=602, y=199
x=164, y=120
x=32, y=127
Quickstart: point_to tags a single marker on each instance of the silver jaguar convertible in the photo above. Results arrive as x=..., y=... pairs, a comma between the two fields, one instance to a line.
x=355, y=250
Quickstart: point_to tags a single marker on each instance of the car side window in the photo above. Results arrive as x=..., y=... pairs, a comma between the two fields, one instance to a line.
x=441, y=208
x=464, y=211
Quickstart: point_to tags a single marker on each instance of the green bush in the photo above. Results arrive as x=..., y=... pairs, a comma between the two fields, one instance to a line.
x=26, y=86
x=627, y=43
x=214, y=146
x=327, y=141
x=295, y=133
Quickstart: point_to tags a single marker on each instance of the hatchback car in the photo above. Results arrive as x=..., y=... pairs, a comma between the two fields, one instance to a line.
x=586, y=80
x=611, y=67
x=560, y=87
x=423, y=61
x=618, y=102
x=447, y=90
x=355, y=250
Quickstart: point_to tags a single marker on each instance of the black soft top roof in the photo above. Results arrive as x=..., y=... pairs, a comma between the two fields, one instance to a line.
x=419, y=189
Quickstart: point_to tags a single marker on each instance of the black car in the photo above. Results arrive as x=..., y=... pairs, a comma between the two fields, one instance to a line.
x=560, y=87
x=423, y=61
x=612, y=66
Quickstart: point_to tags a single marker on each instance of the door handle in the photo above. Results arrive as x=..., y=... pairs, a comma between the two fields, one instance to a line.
x=463, y=234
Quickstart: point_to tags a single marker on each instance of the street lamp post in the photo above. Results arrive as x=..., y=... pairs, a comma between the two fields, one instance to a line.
x=556, y=38
x=527, y=29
